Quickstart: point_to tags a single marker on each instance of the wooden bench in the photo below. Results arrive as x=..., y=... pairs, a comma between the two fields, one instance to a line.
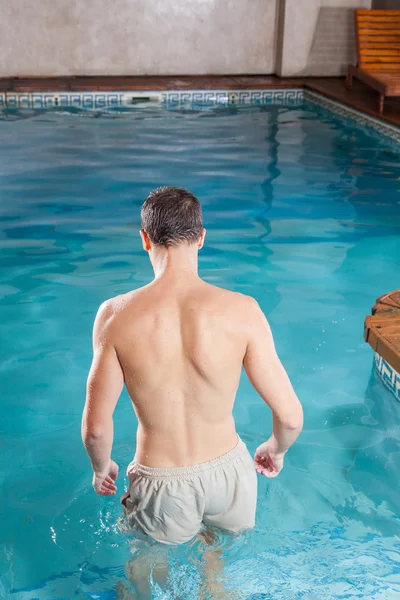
x=378, y=52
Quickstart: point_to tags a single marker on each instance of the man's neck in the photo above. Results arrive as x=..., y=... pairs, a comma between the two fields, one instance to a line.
x=175, y=262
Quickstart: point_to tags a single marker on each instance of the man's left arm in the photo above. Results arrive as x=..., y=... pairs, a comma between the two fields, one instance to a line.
x=104, y=387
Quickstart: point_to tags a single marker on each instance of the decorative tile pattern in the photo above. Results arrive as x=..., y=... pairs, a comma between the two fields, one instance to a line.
x=194, y=97
x=388, y=375
x=98, y=100
x=82, y=100
x=292, y=96
x=362, y=119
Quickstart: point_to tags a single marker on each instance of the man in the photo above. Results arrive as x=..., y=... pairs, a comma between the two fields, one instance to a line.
x=179, y=344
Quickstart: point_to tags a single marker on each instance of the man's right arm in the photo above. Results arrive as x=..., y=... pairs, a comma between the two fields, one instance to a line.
x=270, y=380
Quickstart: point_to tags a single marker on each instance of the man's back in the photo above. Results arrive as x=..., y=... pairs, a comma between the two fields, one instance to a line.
x=181, y=345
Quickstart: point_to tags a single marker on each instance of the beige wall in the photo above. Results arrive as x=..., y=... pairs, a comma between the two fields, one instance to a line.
x=131, y=37
x=316, y=37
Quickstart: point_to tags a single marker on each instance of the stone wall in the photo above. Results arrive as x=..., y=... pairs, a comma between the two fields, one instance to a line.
x=316, y=37
x=137, y=37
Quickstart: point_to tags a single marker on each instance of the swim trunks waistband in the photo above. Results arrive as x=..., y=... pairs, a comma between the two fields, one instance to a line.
x=184, y=472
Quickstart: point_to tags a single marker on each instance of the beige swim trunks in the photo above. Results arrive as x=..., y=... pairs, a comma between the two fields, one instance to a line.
x=170, y=505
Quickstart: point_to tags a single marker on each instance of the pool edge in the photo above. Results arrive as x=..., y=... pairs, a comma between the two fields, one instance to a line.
x=362, y=118
x=279, y=95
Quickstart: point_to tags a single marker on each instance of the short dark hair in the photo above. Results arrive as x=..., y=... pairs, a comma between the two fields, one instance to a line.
x=171, y=215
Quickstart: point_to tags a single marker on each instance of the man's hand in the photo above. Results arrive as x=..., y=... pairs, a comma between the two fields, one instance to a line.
x=103, y=483
x=267, y=460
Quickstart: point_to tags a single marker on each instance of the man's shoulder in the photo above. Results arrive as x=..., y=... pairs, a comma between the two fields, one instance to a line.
x=236, y=300
x=114, y=306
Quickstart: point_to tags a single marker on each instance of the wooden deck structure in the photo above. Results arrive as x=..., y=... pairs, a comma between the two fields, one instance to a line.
x=382, y=328
x=378, y=52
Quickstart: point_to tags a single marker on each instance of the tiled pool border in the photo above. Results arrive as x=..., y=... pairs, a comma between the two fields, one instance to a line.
x=170, y=98
x=389, y=376
x=361, y=118
x=294, y=96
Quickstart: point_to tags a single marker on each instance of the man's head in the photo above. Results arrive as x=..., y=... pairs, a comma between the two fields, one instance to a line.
x=171, y=216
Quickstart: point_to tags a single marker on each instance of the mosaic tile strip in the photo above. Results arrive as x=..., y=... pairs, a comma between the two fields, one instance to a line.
x=389, y=376
x=170, y=98
x=82, y=100
x=279, y=96
x=362, y=119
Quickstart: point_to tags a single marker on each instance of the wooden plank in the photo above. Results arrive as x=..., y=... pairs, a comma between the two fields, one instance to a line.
x=388, y=78
x=380, y=41
x=374, y=17
x=383, y=309
x=384, y=46
x=393, y=342
x=373, y=338
x=377, y=27
x=395, y=297
x=390, y=82
x=385, y=304
x=390, y=301
x=392, y=297
x=390, y=25
x=360, y=12
x=381, y=60
x=379, y=37
x=384, y=296
x=378, y=21
x=382, y=81
x=370, y=335
x=382, y=319
x=367, y=328
x=390, y=331
x=389, y=52
x=396, y=346
x=368, y=79
x=379, y=66
x=383, y=35
x=379, y=55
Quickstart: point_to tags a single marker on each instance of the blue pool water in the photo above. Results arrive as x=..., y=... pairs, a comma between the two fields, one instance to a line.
x=302, y=211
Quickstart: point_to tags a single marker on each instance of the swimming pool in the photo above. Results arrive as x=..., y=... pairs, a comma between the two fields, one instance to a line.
x=302, y=210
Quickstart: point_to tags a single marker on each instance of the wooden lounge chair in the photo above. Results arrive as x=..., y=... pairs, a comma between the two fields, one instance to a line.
x=378, y=52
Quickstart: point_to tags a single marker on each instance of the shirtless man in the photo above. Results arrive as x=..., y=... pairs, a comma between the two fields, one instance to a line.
x=179, y=344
